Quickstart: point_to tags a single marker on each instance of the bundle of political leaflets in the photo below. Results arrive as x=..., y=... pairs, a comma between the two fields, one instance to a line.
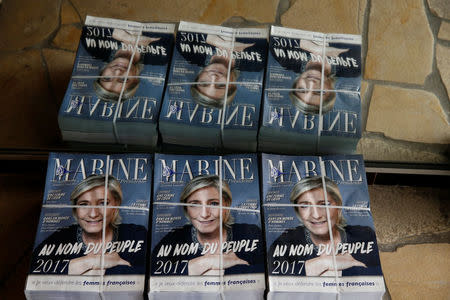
x=312, y=93
x=91, y=241
x=320, y=237
x=115, y=93
x=206, y=239
x=214, y=88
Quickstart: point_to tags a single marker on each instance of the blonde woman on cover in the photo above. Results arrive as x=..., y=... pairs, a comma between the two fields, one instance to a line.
x=201, y=195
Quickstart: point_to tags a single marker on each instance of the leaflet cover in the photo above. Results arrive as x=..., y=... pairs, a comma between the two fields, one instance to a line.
x=215, y=86
x=310, y=77
x=200, y=203
x=319, y=243
x=117, y=80
x=90, y=241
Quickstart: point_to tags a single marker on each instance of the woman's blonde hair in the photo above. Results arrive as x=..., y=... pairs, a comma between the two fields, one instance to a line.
x=106, y=95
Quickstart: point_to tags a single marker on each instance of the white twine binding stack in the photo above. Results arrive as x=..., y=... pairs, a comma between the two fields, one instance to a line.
x=104, y=207
x=105, y=201
x=321, y=90
x=221, y=208
x=224, y=106
x=330, y=230
x=221, y=270
x=339, y=289
x=127, y=76
x=222, y=111
x=119, y=101
x=322, y=77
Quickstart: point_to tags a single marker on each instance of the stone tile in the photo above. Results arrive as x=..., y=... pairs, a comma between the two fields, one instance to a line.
x=407, y=114
x=29, y=114
x=328, y=16
x=203, y=11
x=68, y=13
x=263, y=11
x=143, y=11
x=236, y=21
x=400, y=42
x=418, y=271
x=26, y=23
x=377, y=148
x=60, y=64
x=440, y=8
x=404, y=215
x=444, y=31
x=443, y=64
x=67, y=37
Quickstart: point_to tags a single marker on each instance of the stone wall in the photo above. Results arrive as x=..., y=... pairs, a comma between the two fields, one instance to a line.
x=413, y=234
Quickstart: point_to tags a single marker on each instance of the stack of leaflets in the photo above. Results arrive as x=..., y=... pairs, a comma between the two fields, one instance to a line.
x=320, y=237
x=115, y=93
x=312, y=93
x=214, y=89
x=206, y=239
x=91, y=241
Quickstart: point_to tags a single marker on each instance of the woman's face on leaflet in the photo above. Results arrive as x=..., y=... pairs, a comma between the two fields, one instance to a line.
x=315, y=218
x=204, y=218
x=212, y=81
x=309, y=83
x=113, y=75
x=91, y=219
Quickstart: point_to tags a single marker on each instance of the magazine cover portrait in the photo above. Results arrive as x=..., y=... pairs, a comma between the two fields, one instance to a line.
x=311, y=76
x=319, y=229
x=117, y=82
x=214, y=86
x=206, y=226
x=94, y=223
